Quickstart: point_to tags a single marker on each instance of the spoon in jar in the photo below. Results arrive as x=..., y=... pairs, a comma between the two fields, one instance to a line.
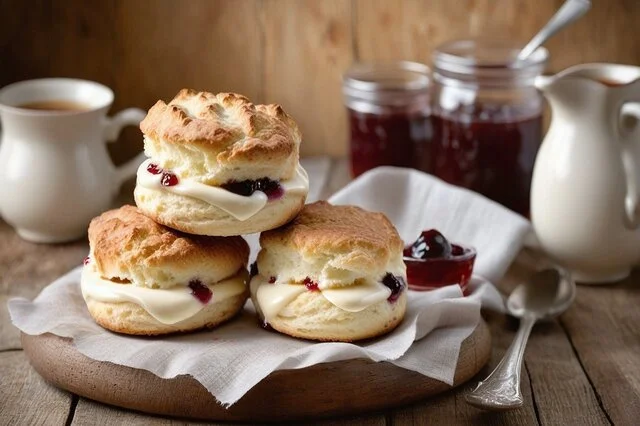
x=569, y=12
x=546, y=294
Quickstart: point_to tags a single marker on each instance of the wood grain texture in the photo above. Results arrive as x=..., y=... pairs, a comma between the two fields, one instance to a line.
x=93, y=413
x=25, y=399
x=307, y=49
x=25, y=268
x=451, y=408
x=603, y=328
x=407, y=30
x=163, y=46
x=285, y=395
x=288, y=51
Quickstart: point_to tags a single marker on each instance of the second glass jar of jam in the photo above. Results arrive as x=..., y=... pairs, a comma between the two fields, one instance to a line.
x=388, y=107
x=487, y=119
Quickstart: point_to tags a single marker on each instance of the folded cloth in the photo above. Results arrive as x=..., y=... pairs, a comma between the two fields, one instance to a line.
x=233, y=358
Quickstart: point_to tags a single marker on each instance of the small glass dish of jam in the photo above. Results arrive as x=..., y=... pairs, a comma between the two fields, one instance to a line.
x=433, y=262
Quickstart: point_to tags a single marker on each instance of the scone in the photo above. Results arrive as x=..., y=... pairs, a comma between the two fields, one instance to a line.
x=335, y=273
x=220, y=165
x=143, y=278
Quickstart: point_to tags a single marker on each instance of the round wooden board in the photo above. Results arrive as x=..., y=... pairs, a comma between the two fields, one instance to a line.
x=324, y=390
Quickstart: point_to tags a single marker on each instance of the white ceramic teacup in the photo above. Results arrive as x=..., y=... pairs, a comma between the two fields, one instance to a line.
x=55, y=171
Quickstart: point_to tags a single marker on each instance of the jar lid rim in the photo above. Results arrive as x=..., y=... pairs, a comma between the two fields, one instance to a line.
x=464, y=55
x=392, y=76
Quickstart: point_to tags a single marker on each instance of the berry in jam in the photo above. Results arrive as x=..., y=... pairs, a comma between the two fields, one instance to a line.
x=310, y=284
x=272, y=280
x=200, y=291
x=430, y=244
x=154, y=169
x=169, y=179
x=433, y=262
x=271, y=188
x=396, y=284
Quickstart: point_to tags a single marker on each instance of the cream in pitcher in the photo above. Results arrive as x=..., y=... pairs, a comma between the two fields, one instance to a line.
x=55, y=170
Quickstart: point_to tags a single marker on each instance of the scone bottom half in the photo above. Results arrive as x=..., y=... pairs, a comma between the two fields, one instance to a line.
x=143, y=278
x=219, y=165
x=335, y=273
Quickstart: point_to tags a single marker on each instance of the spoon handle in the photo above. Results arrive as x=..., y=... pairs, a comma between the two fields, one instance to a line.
x=569, y=12
x=501, y=389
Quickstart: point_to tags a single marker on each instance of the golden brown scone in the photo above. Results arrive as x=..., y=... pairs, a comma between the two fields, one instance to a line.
x=335, y=273
x=143, y=278
x=217, y=147
x=127, y=245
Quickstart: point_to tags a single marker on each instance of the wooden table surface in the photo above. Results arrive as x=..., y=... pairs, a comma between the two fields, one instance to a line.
x=582, y=369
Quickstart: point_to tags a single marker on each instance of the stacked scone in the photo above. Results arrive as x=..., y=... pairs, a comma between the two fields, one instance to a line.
x=220, y=167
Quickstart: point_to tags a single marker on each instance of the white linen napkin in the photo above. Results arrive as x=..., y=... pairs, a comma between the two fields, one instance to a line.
x=231, y=359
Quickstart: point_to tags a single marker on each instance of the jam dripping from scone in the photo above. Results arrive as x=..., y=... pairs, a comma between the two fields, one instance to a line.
x=271, y=188
x=200, y=291
x=154, y=169
x=86, y=260
x=396, y=284
x=310, y=284
x=167, y=178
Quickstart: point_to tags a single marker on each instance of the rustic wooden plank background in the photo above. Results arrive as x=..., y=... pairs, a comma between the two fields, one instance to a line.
x=292, y=52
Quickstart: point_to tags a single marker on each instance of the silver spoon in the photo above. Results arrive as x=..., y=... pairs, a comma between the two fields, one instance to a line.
x=546, y=294
x=569, y=12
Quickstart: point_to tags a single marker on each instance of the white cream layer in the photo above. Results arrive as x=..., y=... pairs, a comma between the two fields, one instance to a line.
x=239, y=206
x=273, y=298
x=169, y=306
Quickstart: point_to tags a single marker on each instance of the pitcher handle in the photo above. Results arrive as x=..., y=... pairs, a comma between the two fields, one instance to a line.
x=113, y=127
x=630, y=128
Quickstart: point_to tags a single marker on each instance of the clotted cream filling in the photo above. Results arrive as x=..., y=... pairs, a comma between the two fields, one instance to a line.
x=273, y=298
x=239, y=206
x=169, y=306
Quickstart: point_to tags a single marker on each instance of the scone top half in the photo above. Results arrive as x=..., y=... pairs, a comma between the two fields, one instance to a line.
x=334, y=246
x=335, y=273
x=217, y=139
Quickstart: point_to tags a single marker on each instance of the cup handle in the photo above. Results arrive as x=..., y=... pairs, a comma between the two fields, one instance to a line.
x=113, y=127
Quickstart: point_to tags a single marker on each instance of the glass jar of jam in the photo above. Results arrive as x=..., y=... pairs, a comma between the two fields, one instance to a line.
x=487, y=119
x=388, y=107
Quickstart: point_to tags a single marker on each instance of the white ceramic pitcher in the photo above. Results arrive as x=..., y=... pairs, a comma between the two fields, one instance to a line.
x=55, y=171
x=584, y=195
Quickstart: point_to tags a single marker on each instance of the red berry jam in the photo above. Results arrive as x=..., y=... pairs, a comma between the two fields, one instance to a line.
x=200, y=291
x=272, y=280
x=489, y=149
x=310, y=284
x=154, y=169
x=271, y=188
x=399, y=138
x=86, y=260
x=396, y=284
x=169, y=179
x=428, y=271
